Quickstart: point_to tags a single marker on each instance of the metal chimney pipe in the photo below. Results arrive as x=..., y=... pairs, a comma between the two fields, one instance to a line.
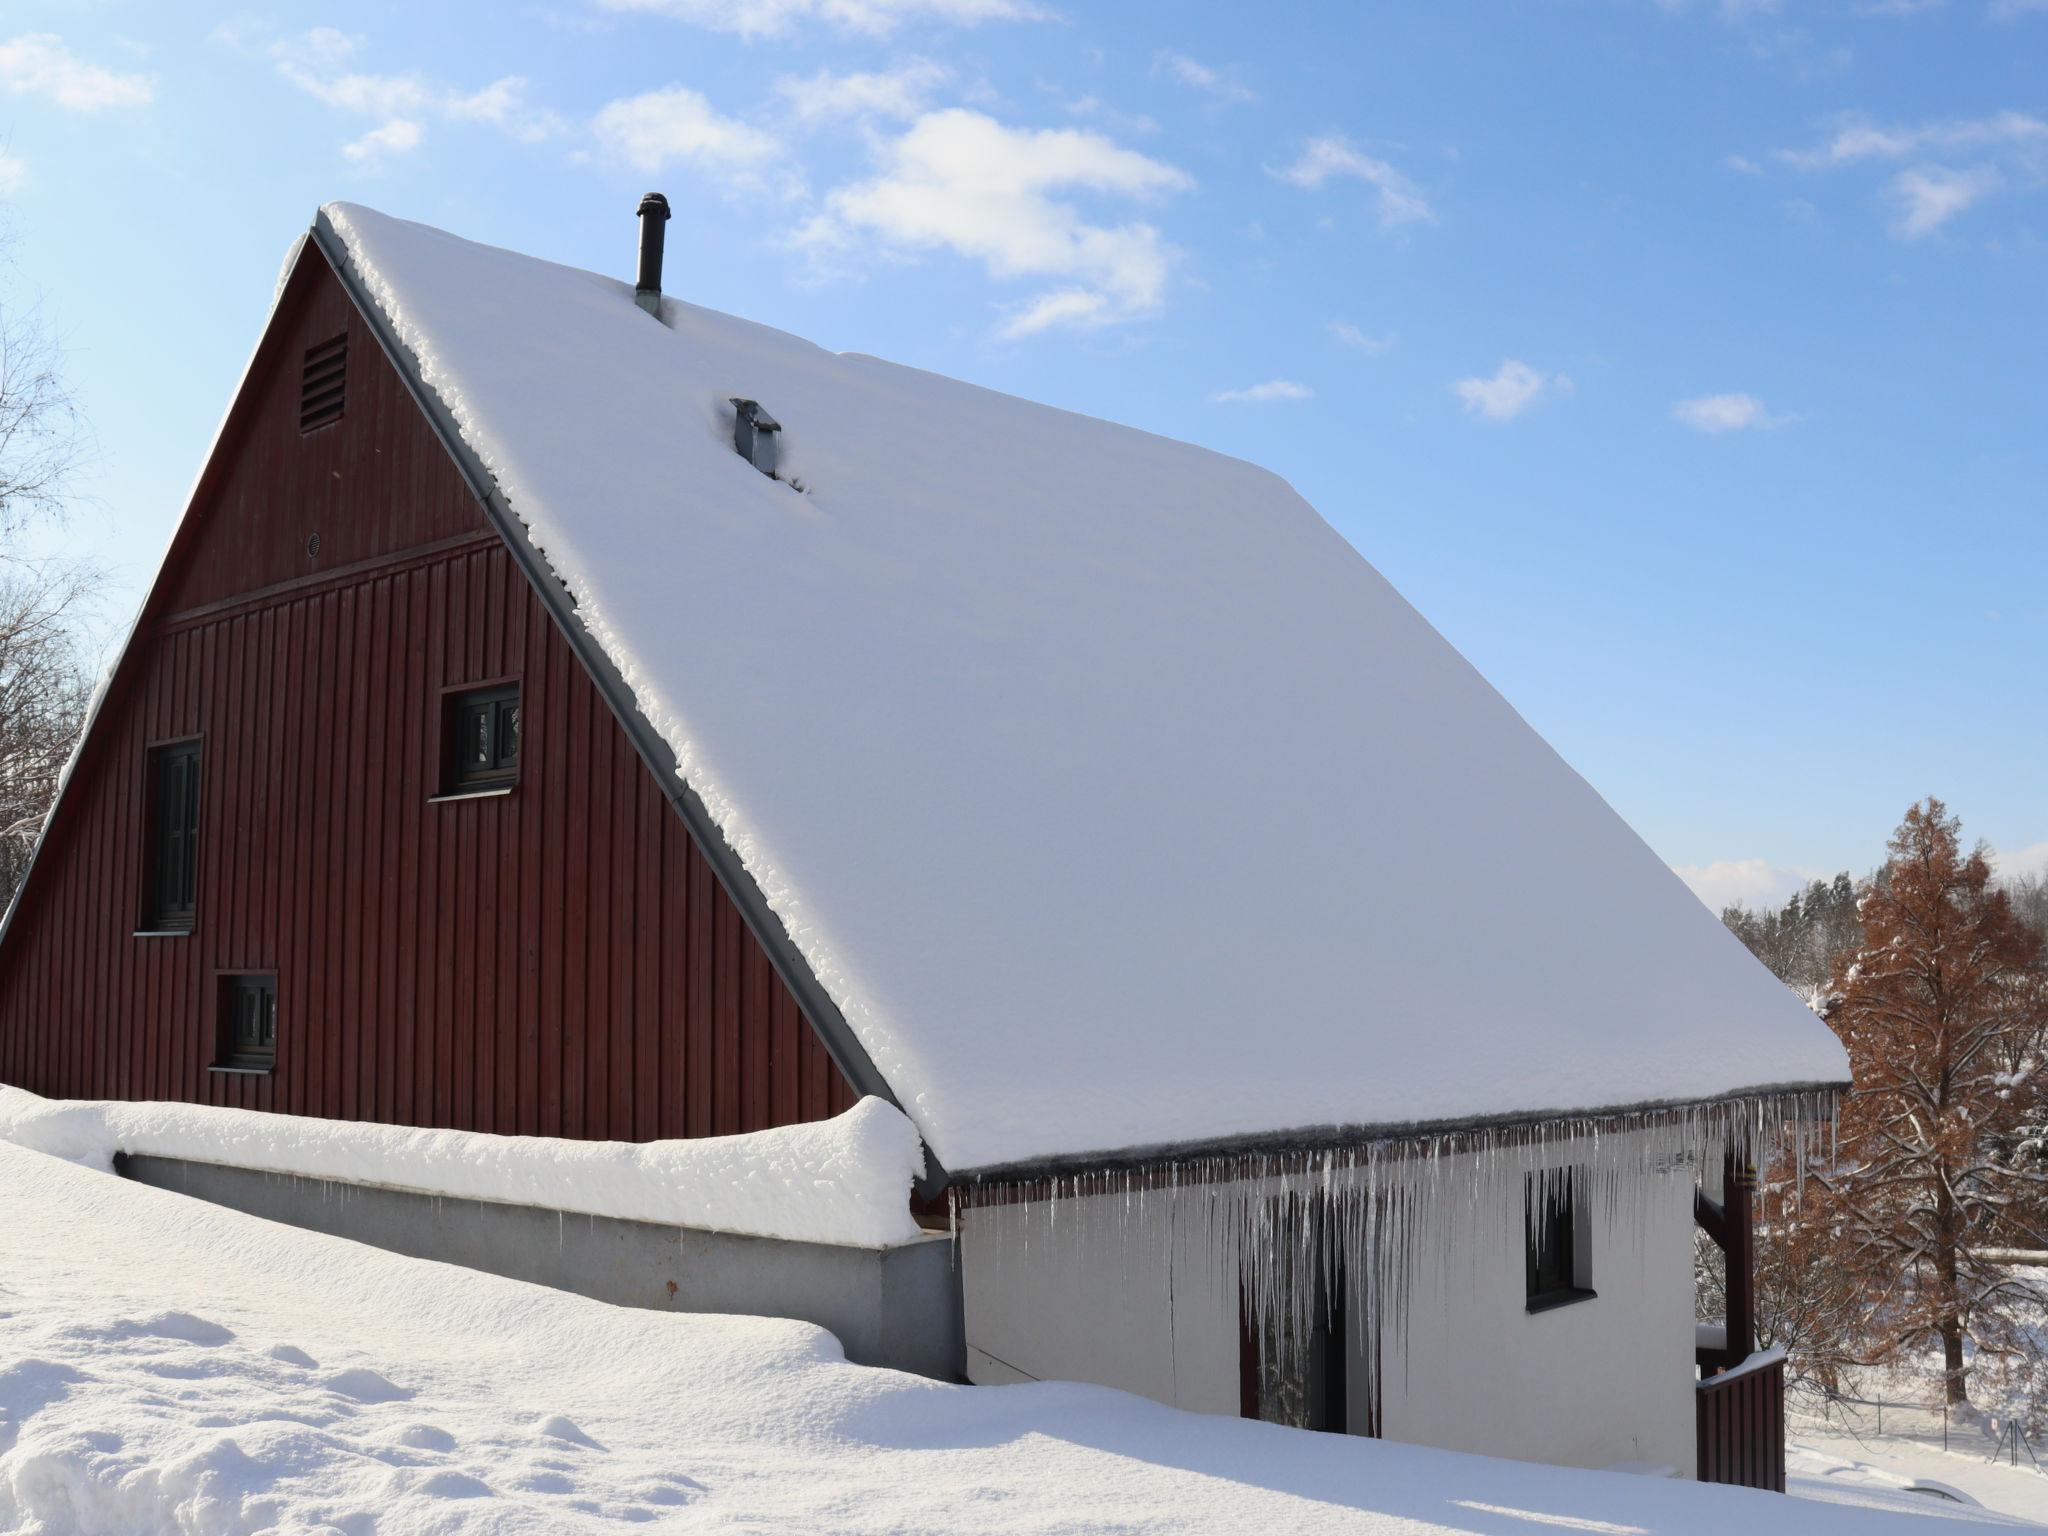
x=647, y=284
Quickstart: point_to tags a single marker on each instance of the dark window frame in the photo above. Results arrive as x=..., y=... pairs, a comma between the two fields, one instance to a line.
x=171, y=846
x=1556, y=1240
x=232, y=1051
x=499, y=771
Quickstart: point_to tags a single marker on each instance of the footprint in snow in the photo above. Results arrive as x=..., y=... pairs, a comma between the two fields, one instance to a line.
x=558, y=1427
x=454, y=1485
x=182, y=1326
x=677, y=1491
x=291, y=1354
x=29, y=1386
x=426, y=1437
x=366, y=1386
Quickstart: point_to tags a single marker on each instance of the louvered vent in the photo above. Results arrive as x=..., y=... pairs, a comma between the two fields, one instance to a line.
x=321, y=385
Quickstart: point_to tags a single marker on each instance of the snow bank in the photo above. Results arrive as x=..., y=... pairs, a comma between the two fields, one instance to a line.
x=170, y=1366
x=1116, y=801
x=845, y=1180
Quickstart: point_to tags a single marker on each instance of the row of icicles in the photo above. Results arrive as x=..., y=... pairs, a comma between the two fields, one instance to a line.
x=1303, y=1229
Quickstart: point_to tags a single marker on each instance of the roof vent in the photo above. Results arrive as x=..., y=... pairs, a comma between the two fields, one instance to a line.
x=753, y=435
x=323, y=379
x=647, y=285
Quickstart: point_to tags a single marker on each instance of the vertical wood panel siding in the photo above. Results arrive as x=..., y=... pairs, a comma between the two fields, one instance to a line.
x=559, y=961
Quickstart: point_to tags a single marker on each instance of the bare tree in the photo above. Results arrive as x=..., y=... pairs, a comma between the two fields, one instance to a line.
x=45, y=687
x=43, y=439
x=46, y=661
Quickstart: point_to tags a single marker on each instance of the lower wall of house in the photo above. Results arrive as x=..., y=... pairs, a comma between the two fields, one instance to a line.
x=897, y=1307
x=1129, y=1294
x=1589, y=1384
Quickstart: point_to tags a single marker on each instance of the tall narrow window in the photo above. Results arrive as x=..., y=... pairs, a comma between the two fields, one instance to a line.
x=323, y=383
x=480, y=740
x=1558, y=1268
x=171, y=881
x=248, y=1023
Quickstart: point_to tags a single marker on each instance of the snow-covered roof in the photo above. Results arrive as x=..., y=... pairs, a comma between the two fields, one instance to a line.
x=1114, y=799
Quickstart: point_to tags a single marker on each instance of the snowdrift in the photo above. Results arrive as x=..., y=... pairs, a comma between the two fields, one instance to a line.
x=845, y=1180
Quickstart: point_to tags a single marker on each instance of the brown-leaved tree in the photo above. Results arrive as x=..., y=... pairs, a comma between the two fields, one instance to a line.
x=1943, y=1011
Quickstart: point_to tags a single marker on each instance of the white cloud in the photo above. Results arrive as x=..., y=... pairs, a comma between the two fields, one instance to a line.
x=959, y=180
x=1743, y=165
x=677, y=126
x=2007, y=10
x=318, y=63
x=1731, y=11
x=900, y=93
x=1858, y=140
x=400, y=136
x=1358, y=341
x=503, y=105
x=1926, y=197
x=2010, y=864
x=877, y=18
x=1333, y=155
x=1714, y=414
x=39, y=64
x=2011, y=148
x=1197, y=76
x=1751, y=882
x=1512, y=389
x=1258, y=394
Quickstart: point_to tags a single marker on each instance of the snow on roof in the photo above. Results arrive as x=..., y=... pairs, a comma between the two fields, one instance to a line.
x=1114, y=799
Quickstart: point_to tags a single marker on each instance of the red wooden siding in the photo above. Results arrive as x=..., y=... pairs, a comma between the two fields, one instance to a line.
x=560, y=960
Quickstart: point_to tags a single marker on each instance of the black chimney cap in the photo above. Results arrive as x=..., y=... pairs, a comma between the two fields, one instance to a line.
x=653, y=202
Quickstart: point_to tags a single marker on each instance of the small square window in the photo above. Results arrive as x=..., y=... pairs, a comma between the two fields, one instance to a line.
x=480, y=740
x=1559, y=1267
x=248, y=1022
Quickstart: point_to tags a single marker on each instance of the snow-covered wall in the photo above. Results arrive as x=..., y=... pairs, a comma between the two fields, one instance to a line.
x=846, y=1180
x=1129, y=1292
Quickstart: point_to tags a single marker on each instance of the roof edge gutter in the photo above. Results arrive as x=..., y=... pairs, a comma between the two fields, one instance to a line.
x=1310, y=1140
x=825, y=1018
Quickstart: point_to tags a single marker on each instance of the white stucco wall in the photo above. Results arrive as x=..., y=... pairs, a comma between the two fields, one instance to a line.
x=1126, y=1293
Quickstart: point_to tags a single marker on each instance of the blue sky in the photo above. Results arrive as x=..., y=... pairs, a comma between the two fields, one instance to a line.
x=1683, y=362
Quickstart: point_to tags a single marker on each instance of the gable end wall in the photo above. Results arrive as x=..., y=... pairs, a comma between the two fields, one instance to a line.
x=558, y=961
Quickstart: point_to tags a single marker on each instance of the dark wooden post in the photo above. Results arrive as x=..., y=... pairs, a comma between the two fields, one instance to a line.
x=1738, y=1206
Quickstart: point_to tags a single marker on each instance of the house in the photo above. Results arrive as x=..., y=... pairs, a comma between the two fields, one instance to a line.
x=564, y=710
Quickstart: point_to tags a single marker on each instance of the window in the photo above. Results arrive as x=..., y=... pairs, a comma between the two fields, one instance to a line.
x=171, y=881
x=1559, y=1269
x=248, y=1023
x=323, y=381
x=480, y=740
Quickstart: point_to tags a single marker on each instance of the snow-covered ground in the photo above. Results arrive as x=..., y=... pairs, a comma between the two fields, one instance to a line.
x=1830, y=1460
x=168, y=1366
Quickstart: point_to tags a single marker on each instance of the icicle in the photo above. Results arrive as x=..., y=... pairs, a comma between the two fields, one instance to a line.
x=1294, y=1228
